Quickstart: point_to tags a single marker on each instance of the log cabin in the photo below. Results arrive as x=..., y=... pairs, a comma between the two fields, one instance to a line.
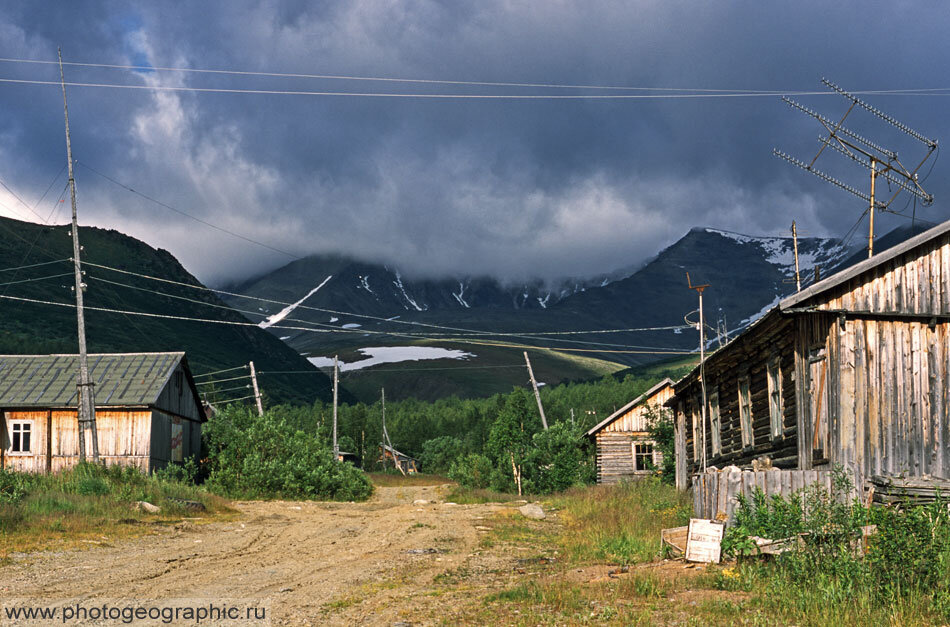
x=625, y=449
x=148, y=412
x=852, y=371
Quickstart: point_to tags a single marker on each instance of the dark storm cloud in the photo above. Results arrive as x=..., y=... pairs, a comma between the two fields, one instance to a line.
x=512, y=188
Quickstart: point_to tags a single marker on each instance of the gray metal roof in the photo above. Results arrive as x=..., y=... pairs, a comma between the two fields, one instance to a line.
x=121, y=379
x=868, y=264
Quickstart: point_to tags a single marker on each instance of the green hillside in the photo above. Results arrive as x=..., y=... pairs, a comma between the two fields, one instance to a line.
x=31, y=328
x=493, y=370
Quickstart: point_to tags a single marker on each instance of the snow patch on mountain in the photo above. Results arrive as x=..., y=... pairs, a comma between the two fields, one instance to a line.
x=283, y=313
x=398, y=283
x=780, y=251
x=364, y=283
x=393, y=354
x=459, y=296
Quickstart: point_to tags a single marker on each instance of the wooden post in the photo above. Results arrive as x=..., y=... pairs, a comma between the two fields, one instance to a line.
x=336, y=384
x=537, y=395
x=385, y=436
x=871, y=211
x=257, y=392
x=798, y=278
x=86, y=409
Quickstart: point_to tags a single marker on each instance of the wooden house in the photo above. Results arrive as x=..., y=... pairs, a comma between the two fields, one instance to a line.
x=148, y=412
x=852, y=371
x=624, y=447
x=402, y=462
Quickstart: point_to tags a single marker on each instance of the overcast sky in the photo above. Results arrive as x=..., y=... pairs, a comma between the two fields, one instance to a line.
x=513, y=188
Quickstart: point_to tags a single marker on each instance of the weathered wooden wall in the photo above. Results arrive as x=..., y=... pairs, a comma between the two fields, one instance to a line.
x=176, y=397
x=636, y=419
x=714, y=493
x=748, y=355
x=615, y=455
x=887, y=338
x=140, y=438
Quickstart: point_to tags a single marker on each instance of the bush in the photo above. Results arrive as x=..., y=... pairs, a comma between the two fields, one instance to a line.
x=557, y=460
x=252, y=456
x=13, y=486
x=439, y=453
x=472, y=471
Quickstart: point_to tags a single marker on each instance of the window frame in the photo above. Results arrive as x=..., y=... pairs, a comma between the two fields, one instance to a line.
x=745, y=411
x=715, y=422
x=776, y=401
x=636, y=455
x=30, y=432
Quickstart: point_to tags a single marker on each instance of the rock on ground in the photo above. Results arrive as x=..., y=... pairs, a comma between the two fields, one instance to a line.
x=532, y=510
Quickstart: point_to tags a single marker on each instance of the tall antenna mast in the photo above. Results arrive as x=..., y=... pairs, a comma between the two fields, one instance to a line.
x=86, y=407
x=881, y=162
x=798, y=276
x=702, y=361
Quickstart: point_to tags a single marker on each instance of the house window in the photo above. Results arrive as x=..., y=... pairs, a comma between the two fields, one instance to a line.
x=642, y=456
x=715, y=423
x=775, y=397
x=21, y=440
x=745, y=412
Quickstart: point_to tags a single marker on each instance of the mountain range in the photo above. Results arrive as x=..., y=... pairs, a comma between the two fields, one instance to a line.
x=459, y=335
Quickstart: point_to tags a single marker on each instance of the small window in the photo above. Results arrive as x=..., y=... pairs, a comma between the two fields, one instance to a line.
x=745, y=412
x=642, y=456
x=775, y=397
x=715, y=423
x=21, y=440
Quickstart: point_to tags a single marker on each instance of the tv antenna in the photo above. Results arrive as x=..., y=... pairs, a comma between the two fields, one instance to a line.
x=881, y=161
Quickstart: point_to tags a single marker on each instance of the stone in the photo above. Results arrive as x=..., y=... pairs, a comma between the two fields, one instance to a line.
x=145, y=506
x=532, y=510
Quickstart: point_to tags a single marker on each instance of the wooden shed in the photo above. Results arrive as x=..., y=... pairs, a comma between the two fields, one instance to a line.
x=851, y=371
x=403, y=463
x=148, y=412
x=624, y=447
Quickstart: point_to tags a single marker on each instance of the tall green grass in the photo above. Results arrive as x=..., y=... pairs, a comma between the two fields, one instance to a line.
x=89, y=500
x=620, y=523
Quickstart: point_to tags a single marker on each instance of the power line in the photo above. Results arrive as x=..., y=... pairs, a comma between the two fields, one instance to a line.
x=233, y=72
x=186, y=214
x=291, y=92
x=365, y=316
x=224, y=380
x=40, y=278
x=208, y=374
x=35, y=265
x=348, y=373
x=251, y=324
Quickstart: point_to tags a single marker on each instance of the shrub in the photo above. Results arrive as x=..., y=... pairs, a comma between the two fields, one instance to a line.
x=557, y=460
x=254, y=456
x=472, y=471
x=439, y=453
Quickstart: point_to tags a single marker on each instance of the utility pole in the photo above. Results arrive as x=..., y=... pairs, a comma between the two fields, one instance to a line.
x=86, y=407
x=336, y=385
x=798, y=278
x=702, y=363
x=382, y=392
x=257, y=392
x=537, y=395
x=871, y=210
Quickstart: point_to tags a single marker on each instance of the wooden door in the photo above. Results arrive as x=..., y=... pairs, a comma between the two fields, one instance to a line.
x=818, y=404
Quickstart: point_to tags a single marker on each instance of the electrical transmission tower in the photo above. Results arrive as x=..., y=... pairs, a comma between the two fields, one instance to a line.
x=881, y=162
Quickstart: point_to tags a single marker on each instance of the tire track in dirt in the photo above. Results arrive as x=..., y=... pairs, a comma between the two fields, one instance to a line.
x=314, y=563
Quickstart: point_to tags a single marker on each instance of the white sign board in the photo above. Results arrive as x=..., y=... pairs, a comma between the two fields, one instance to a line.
x=704, y=540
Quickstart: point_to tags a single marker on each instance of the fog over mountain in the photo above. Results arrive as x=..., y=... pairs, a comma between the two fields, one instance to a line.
x=517, y=189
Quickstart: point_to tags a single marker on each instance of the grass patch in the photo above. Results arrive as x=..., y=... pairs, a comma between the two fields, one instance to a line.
x=619, y=523
x=398, y=480
x=476, y=496
x=90, y=504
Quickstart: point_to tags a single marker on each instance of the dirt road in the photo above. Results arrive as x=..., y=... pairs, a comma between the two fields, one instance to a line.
x=306, y=563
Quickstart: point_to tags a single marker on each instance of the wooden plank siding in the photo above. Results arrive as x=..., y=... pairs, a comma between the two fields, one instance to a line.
x=865, y=373
x=616, y=436
x=746, y=357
